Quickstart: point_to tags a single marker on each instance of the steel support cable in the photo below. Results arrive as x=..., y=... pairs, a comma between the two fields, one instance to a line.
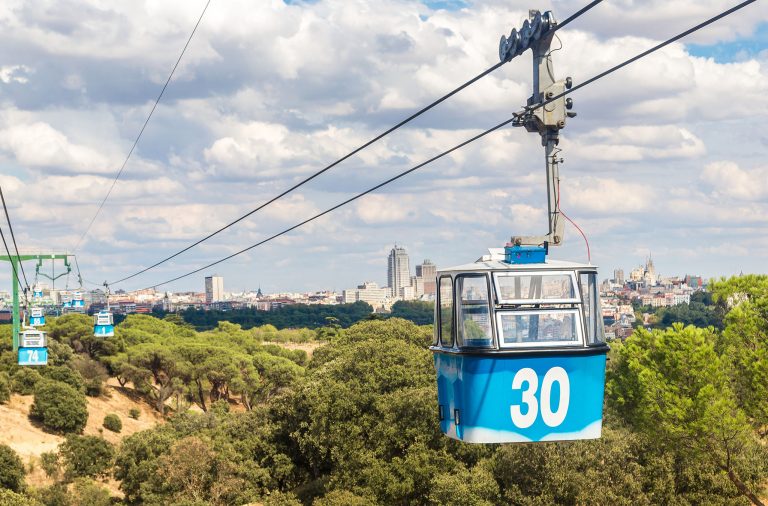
x=514, y=117
x=13, y=266
x=359, y=195
x=348, y=155
x=13, y=237
x=141, y=132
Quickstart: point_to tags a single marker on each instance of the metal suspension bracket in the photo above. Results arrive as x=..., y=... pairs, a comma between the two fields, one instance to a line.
x=106, y=293
x=545, y=113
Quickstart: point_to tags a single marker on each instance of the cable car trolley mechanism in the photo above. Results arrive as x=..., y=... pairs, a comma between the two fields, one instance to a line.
x=519, y=343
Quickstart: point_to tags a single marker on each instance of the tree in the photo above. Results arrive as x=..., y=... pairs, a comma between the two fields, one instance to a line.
x=153, y=369
x=364, y=417
x=136, y=461
x=744, y=344
x=673, y=386
x=59, y=407
x=76, y=330
x=11, y=470
x=417, y=311
x=86, y=456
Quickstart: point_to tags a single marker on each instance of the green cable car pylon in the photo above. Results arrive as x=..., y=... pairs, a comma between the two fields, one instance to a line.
x=15, y=261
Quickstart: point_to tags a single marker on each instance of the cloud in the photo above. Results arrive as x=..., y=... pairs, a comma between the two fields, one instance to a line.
x=246, y=116
x=378, y=209
x=14, y=74
x=726, y=178
x=635, y=143
x=605, y=196
x=38, y=144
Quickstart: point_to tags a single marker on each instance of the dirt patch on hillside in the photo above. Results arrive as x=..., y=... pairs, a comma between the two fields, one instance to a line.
x=119, y=401
x=30, y=441
x=19, y=433
x=308, y=347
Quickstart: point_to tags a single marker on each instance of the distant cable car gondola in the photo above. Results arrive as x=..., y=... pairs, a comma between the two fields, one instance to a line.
x=77, y=300
x=33, y=349
x=36, y=316
x=103, y=321
x=37, y=292
x=103, y=324
x=519, y=342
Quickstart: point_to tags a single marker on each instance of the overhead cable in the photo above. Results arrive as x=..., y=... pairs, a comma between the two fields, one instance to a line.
x=348, y=155
x=510, y=120
x=13, y=237
x=13, y=265
x=138, y=137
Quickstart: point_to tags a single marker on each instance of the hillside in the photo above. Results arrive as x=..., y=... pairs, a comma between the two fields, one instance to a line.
x=30, y=440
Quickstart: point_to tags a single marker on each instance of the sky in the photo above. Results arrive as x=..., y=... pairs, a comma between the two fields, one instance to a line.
x=665, y=158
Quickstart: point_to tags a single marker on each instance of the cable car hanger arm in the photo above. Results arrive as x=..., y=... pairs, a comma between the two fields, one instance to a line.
x=543, y=118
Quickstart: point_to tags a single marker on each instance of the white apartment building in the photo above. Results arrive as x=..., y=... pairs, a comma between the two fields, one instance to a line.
x=214, y=289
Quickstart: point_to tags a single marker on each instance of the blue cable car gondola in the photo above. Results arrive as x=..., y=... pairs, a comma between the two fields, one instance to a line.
x=66, y=300
x=36, y=316
x=103, y=324
x=77, y=300
x=519, y=343
x=519, y=351
x=33, y=349
x=37, y=293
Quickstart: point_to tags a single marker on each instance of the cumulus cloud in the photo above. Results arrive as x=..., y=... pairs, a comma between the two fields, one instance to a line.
x=605, y=196
x=14, y=74
x=246, y=114
x=376, y=209
x=634, y=143
x=726, y=178
x=40, y=145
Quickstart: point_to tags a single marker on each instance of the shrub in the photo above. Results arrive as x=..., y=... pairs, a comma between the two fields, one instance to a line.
x=59, y=407
x=112, y=422
x=49, y=461
x=11, y=469
x=94, y=375
x=55, y=495
x=134, y=413
x=5, y=387
x=94, y=387
x=65, y=375
x=9, y=498
x=24, y=381
x=86, y=456
x=90, y=493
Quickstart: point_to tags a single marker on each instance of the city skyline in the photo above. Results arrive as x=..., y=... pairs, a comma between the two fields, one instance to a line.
x=652, y=162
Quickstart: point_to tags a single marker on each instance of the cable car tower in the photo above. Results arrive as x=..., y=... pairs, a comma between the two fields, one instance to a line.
x=15, y=261
x=519, y=343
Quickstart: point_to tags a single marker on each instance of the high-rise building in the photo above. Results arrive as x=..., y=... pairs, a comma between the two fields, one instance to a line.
x=398, y=270
x=214, y=289
x=427, y=271
x=618, y=276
